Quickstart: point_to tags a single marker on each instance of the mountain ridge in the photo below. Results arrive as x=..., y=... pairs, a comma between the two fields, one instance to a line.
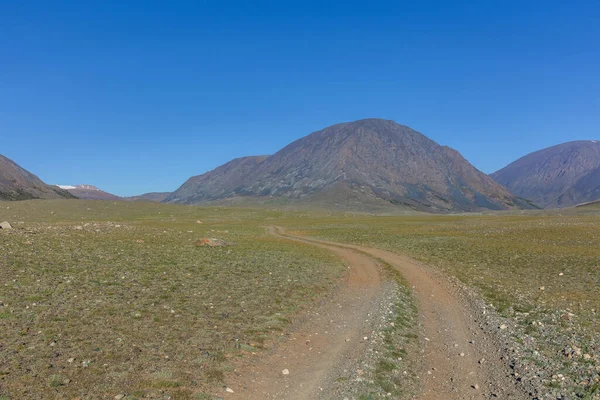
x=89, y=192
x=558, y=176
x=371, y=159
x=155, y=197
x=16, y=183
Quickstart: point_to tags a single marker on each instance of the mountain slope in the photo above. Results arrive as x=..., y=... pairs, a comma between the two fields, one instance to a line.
x=370, y=160
x=89, y=192
x=220, y=183
x=152, y=197
x=559, y=176
x=17, y=183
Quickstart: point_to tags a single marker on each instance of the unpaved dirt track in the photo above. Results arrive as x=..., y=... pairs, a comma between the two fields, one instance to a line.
x=459, y=360
x=328, y=335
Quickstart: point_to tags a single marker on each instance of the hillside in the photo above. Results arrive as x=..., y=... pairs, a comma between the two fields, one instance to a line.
x=89, y=192
x=370, y=161
x=17, y=183
x=559, y=176
x=155, y=197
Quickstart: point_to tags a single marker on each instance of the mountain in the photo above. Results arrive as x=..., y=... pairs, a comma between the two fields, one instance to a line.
x=219, y=183
x=156, y=197
x=89, y=192
x=17, y=183
x=559, y=176
x=348, y=165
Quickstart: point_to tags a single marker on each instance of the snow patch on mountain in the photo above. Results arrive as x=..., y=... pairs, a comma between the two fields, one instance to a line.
x=83, y=187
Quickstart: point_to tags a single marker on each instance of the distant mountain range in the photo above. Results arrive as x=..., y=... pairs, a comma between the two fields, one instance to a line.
x=559, y=176
x=350, y=165
x=366, y=165
x=16, y=183
x=155, y=197
x=90, y=192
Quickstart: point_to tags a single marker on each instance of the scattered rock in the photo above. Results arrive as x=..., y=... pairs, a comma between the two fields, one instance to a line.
x=229, y=390
x=476, y=386
x=5, y=225
x=503, y=327
x=119, y=396
x=211, y=242
x=285, y=372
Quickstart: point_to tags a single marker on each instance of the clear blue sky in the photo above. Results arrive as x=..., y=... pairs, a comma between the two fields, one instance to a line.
x=136, y=96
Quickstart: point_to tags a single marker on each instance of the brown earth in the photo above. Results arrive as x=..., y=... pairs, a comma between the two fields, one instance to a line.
x=460, y=359
x=322, y=339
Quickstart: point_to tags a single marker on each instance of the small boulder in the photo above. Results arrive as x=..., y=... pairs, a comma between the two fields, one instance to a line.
x=211, y=242
x=5, y=225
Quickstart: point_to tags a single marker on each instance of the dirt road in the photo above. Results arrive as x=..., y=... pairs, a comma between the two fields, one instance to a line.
x=459, y=359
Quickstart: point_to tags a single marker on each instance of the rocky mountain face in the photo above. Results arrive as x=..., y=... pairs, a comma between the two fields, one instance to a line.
x=89, y=192
x=559, y=176
x=220, y=183
x=155, y=197
x=367, y=161
x=17, y=183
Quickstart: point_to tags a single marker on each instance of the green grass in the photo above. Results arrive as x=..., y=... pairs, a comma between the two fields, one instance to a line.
x=112, y=295
x=131, y=297
x=541, y=270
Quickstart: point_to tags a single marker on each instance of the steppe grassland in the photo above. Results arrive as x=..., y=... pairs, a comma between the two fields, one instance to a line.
x=539, y=270
x=126, y=303
x=103, y=298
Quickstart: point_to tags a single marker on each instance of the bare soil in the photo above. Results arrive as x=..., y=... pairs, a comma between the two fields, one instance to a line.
x=325, y=336
x=460, y=357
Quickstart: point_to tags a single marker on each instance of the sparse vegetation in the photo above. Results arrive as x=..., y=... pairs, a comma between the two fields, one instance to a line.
x=108, y=298
x=540, y=271
x=397, y=347
x=102, y=298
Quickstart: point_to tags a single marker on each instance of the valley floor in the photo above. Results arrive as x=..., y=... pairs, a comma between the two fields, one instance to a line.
x=461, y=356
x=122, y=300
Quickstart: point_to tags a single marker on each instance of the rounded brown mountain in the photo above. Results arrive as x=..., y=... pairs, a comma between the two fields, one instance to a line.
x=559, y=176
x=371, y=161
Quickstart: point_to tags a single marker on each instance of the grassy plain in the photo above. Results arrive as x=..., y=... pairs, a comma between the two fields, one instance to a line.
x=540, y=270
x=101, y=298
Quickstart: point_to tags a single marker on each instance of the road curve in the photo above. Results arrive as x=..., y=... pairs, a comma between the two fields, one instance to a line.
x=327, y=337
x=460, y=360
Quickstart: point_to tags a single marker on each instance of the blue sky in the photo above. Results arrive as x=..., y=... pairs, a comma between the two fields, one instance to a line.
x=138, y=96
